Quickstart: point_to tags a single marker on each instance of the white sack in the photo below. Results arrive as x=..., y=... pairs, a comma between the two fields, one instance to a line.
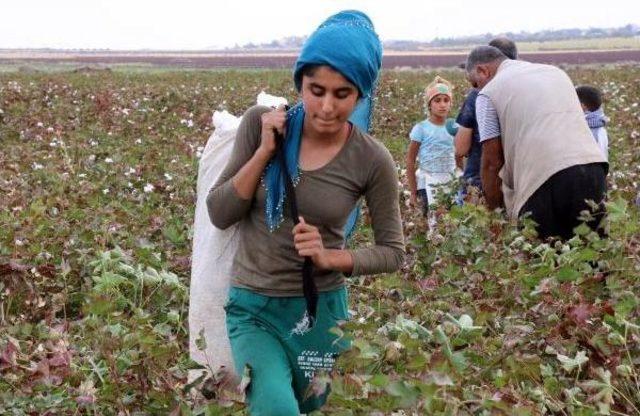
x=214, y=250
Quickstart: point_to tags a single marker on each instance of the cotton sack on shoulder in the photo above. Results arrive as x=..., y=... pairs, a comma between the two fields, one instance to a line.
x=213, y=251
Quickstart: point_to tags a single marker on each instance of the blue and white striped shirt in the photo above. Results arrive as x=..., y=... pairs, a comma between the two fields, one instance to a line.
x=487, y=116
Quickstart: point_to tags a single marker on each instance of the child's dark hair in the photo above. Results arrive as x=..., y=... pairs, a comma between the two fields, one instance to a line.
x=589, y=96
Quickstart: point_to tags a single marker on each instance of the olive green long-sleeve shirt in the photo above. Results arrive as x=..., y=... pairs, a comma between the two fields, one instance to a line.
x=267, y=262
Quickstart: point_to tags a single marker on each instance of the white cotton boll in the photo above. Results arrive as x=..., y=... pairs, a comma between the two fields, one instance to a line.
x=148, y=188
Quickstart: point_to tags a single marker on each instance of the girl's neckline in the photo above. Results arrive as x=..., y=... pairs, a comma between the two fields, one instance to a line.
x=444, y=122
x=337, y=155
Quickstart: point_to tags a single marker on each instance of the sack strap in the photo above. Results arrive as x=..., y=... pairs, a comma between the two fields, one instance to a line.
x=309, y=288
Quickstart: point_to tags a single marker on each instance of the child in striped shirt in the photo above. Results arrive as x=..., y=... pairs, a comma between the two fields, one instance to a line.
x=591, y=101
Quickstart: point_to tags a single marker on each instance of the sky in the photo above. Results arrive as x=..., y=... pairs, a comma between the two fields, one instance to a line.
x=194, y=24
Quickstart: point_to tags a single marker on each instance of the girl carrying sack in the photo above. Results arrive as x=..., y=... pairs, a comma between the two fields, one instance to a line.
x=279, y=330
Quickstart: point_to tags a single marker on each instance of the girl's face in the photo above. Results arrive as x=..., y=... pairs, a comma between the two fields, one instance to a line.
x=328, y=99
x=440, y=105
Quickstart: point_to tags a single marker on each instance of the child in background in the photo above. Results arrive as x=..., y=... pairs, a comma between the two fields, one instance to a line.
x=432, y=144
x=591, y=100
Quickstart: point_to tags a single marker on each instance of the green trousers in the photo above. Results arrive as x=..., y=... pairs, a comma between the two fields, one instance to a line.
x=265, y=336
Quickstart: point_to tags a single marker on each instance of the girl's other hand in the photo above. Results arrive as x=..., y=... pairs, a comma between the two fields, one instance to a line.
x=308, y=243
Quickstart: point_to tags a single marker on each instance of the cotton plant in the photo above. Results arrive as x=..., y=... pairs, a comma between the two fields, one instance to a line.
x=465, y=322
x=406, y=326
x=569, y=364
x=126, y=329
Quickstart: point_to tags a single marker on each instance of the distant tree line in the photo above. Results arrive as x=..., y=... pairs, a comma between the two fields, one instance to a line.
x=630, y=30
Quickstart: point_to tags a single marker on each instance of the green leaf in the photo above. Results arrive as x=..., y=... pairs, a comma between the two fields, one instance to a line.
x=626, y=304
x=201, y=342
x=568, y=274
x=173, y=234
x=459, y=361
x=379, y=380
x=406, y=394
x=587, y=254
x=465, y=322
x=569, y=364
x=451, y=271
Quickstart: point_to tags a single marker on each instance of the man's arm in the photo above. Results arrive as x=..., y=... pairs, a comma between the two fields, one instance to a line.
x=492, y=152
x=492, y=161
x=462, y=141
x=462, y=144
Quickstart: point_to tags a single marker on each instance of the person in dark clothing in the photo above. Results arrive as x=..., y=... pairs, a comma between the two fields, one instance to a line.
x=557, y=215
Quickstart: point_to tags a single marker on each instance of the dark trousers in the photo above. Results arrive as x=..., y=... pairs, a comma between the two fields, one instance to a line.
x=556, y=205
x=424, y=201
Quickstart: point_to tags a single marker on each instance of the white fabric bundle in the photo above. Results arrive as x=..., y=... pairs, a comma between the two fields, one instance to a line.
x=214, y=250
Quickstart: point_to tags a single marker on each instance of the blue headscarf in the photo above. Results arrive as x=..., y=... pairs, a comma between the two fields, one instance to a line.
x=348, y=43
